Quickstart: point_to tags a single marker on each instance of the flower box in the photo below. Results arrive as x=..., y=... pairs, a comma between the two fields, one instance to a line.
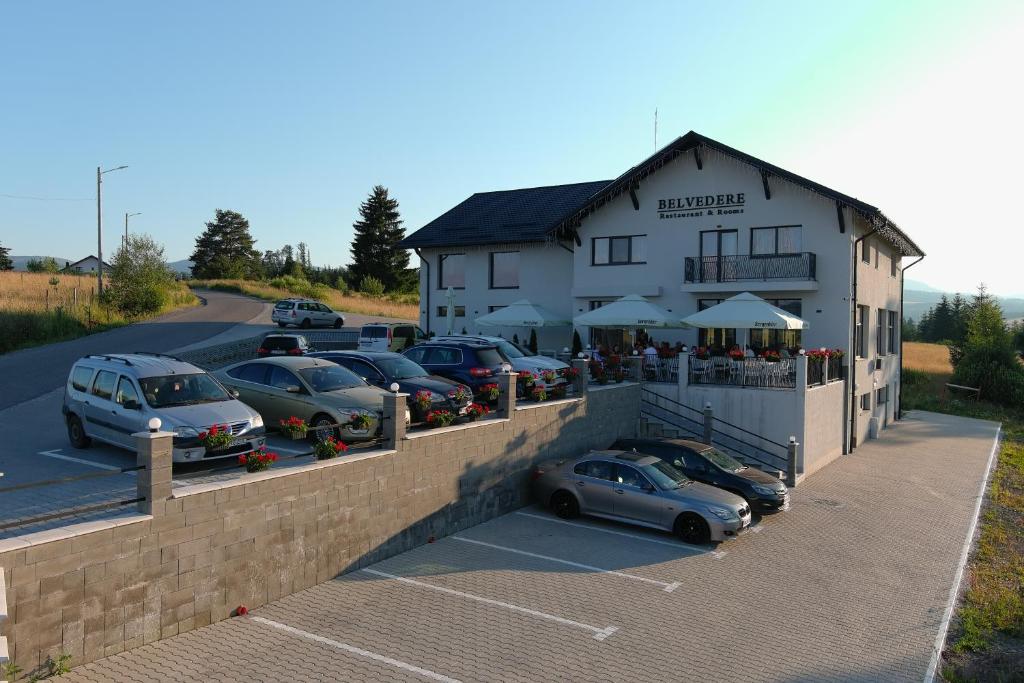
x=258, y=460
x=440, y=418
x=328, y=448
x=295, y=427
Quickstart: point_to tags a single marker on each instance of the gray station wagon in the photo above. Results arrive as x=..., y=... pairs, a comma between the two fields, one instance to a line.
x=640, y=489
x=111, y=397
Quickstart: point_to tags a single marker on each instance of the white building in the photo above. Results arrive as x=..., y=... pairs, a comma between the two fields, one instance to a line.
x=87, y=265
x=687, y=227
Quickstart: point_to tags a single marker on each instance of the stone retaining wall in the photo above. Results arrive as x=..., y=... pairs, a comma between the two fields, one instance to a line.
x=97, y=588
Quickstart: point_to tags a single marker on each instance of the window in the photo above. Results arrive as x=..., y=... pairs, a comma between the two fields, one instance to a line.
x=250, y=372
x=80, y=378
x=894, y=265
x=492, y=309
x=596, y=469
x=718, y=242
x=103, y=387
x=861, y=343
x=628, y=476
x=761, y=338
x=865, y=251
x=784, y=239
x=612, y=251
x=865, y=401
x=126, y=391
x=281, y=378
x=442, y=311
x=882, y=396
x=442, y=355
x=416, y=353
x=366, y=371
x=880, y=344
x=717, y=337
x=504, y=270
x=893, y=331
x=451, y=271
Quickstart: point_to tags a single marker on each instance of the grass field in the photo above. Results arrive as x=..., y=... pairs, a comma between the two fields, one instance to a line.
x=986, y=642
x=40, y=308
x=388, y=307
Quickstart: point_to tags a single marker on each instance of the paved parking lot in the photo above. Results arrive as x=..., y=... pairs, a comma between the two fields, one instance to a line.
x=851, y=584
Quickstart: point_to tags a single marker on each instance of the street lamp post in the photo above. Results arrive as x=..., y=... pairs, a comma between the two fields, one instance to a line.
x=99, y=226
x=126, y=217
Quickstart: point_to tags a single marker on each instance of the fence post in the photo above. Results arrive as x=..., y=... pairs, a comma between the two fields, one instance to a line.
x=507, y=397
x=153, y=451
x=791, y=461
x=709, y=422
x=395, y=405
x=683, y=373
x=801, y=372
x=580, y=383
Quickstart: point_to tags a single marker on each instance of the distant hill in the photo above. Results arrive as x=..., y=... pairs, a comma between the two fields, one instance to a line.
x=21, y=262
x=183, y=266
x=917, y=301
x=919, y=286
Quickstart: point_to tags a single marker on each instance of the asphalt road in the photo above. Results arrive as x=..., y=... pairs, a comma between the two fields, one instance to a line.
x=30, y=373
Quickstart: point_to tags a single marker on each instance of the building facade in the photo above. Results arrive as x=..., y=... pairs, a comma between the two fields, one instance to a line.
x=693, y=224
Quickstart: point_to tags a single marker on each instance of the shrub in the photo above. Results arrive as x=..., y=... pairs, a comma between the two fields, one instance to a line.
x=371, y=286
x=533, y=341
x=577, y=344
x=998, y=383
x=342, y=286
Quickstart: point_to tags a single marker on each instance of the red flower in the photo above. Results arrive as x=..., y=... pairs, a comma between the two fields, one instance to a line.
x=242, y=459
x=242, y=610
x=202, y=435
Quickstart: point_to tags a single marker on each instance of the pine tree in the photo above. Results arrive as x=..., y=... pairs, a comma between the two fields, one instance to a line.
x=225, y=249
x=5, y=258
x=960, y=313
x=533, y=340
x=942, y=324
x=377, y=234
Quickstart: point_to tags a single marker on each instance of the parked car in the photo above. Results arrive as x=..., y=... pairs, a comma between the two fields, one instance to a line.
x=640, y=489
x=389, y=337
x=283, y=345
x=111, y=397
x=305, y=313
x=471, y=363
x=709, y=465
x=384, y=368
x=318, y=391
x=520, y=357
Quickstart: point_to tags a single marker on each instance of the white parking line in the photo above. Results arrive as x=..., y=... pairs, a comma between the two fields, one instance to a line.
x=717, y=554
x=80, y=461
x=356, y=651
x=665, y=586
x=599, y=633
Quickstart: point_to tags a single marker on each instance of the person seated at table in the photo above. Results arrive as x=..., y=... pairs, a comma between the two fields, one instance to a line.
x=597, y=355
x=664, y=350
x=650, y=353
x=749, y=353
x=679, y=347
x=784, y=353
x=684, y=349
x=616, y=350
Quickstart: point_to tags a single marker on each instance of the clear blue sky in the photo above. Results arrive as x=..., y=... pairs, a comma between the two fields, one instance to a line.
x=291, y=112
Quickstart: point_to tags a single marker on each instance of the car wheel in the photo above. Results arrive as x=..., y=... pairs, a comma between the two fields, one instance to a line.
x=321, y=429
x=282, y=325
x=76, y=433
x=692, y=528
x=338, y=323
x=564, y=505
x=306, y=324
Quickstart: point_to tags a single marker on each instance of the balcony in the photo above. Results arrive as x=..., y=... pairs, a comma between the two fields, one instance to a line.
x=782, y=272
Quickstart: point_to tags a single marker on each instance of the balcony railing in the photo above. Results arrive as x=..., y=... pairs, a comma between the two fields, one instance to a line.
x=738, y=268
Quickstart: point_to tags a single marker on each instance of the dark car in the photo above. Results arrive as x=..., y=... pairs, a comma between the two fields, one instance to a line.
x=384, y=368
x=467, y=362
x=709, y=465
x=283, y=345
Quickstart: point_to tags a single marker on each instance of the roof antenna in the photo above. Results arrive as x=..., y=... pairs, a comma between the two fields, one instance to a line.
x=655, y=129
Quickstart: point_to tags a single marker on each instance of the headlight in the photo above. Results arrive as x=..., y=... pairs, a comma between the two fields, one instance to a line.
x=764, y=491
x=721, y=513
x=436, y=398
x=257, y=421
x=186, y=432
x=408, y=416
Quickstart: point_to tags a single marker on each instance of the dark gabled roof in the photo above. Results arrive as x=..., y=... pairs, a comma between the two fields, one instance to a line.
x=690, y=141
x=527, y=215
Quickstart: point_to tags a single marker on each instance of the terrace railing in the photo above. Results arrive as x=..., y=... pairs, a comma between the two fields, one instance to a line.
x=741, y=267
x=748, y=372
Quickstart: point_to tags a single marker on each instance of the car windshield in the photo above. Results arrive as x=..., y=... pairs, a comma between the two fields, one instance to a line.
x=182, y=390
x=524, y=350
x=280, y=343
x=330, y=378
x=401, y=368
x=726, y=462
x=665, y=476
x=510, y=350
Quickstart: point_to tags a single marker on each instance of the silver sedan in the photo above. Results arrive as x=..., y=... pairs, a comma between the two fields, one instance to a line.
x=640, y=489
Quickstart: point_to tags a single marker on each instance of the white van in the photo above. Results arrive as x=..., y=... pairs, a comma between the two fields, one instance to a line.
x=395, y=337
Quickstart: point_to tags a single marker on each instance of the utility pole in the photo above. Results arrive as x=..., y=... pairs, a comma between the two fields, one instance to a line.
x=99, y=225
x=126, y=216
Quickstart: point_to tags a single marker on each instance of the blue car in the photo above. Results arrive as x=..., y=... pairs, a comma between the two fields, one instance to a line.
x=471, y=363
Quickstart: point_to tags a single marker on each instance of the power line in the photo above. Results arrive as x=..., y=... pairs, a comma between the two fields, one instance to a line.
x=49, y=199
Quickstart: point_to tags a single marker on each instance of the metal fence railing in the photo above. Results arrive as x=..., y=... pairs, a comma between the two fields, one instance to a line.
x=748, y=372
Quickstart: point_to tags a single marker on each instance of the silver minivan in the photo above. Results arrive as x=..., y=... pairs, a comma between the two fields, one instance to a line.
x=395, y=337
x=111, y=397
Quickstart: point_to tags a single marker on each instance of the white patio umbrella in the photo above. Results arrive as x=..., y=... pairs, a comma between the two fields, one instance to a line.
x=631, y=311
x=450, y=318
x=746, y=311
x=522, y=313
